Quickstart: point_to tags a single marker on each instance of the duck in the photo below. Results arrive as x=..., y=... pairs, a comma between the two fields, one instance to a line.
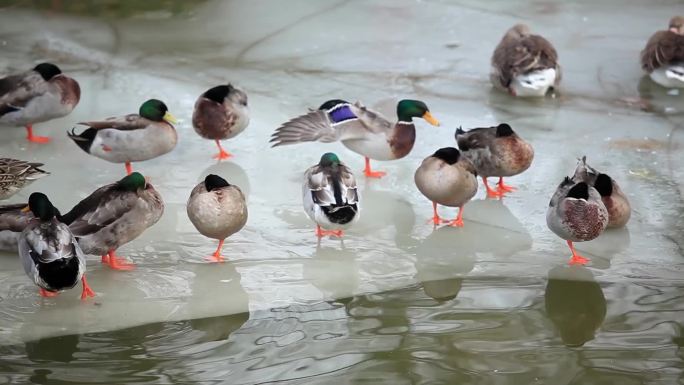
x=13, y=220
x=38, y=95
x=330, y=196
x=663, y=56
x=612, y=196
x=114, y=215
x=576, y=213
x=524, y=64
x=360, y=129
x=496, y=151
x=49, y=252
x=218, y=210
x=16, y=174
x=221, y=113
x=447, y=178
x=132, y=138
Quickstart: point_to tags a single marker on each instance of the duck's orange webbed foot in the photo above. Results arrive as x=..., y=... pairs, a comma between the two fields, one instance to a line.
x=46, y=293
x=503, y=188
x=35, y=138
x=370, y=173
x=320, y=233
x=436, y=219
x=87, y=291
x=217, y=257
x=223, y=154
x=576, y=259
x=117, y=263
x=491, y=193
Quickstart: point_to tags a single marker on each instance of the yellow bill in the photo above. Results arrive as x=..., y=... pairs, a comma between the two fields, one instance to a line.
x=430, y=119
x=26, y=209
x=170, y=118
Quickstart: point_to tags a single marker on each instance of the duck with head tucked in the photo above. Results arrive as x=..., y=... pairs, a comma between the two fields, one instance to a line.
x=221, y=113
x=130, y=138
x=495, y=151
x=36, y=96
x=361, y=130
x=525, y=64
x=663, y=56
x=114, y=215
x=612, y=196
x=16, y=174
x=576, y=213
x=49, y=251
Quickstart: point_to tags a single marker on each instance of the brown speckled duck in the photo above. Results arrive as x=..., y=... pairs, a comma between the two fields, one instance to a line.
x=448, y=179
x=15, y=174
x=495, y=151
x=221, y=113
x=524, y=64
x=35, y=96
x=663, y=56
x=361, y=130
x=615, y=200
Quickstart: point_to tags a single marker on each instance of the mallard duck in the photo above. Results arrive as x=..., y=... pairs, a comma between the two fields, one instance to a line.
x=448, y=179
x=330, y=196
x=114, y=215
x=221, y=113
x=663, y=56
x=361, y=130
x=495, y=151
x=525, y=64
x=49, y=251
x=576, y=214
x=218, y=210
x=616, y=202
x=15, y=174
x=35, y=96
x=130, y=138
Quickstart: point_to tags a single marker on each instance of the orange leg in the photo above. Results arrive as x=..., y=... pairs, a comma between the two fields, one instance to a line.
x=35, y=138
x=370, y=173
x=320, y=233
x=87, y=291
x=504, y=188
x=217, y=257
x=129, y=168
x=436, y=219
x=105, y=259
x=223, y=154
x=45, y=293
x=576, y=258
x=458, y=222
x=117, y=263
x=491, y=193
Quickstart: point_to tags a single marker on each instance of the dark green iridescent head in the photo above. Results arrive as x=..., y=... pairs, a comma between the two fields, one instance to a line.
x=41, y=207
x=133, y=182
x=329, y=159
x=154, y=110
x=408, y=109
x=47, y=70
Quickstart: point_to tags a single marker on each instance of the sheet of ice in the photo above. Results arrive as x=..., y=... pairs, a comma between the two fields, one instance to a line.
x=290, y=56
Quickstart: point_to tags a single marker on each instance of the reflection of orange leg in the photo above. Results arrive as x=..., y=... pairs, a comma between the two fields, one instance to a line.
x=35, y=138
x=87, y=291
x=436, y=219
x=576, y=258
x=458, y=222
x=105, y=259
x=45, y=293
x=491, y=193
x=504, y=188
x=117, y=263
x=129, y=168
x=217, y=257
x=322, y=233
x=223, y=154
x=370, y=173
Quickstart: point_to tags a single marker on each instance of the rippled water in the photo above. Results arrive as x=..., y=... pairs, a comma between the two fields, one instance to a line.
x=397, y=301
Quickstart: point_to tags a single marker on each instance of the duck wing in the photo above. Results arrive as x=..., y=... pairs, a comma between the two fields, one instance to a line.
x=331, y=187
x=477, y=138
x=17, y=90
x=48, y=244
x=122, y=123
x=13, y=219
x=99, y=210
x=663, y=48
x=513, y=57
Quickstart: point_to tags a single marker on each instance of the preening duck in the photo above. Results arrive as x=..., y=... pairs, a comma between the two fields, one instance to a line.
x=612, y=196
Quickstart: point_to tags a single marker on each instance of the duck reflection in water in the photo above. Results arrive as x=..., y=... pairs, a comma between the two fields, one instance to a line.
x=575, y=304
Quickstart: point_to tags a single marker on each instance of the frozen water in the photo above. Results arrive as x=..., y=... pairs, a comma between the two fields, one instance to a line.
x=290, y=56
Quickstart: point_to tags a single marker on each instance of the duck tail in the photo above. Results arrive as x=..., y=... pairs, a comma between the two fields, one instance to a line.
x=84, y=139
x=35, y=172
x=460, y=131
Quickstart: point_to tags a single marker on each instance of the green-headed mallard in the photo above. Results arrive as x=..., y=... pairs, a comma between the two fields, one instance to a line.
x=217, y=209
x=130, y=138
x=221, y=113
x=49, y=251
x=524, y=64
x=114, y=215
x=495, y=151
x=663, y=56
x=361, y=130
x=576, y=214
x=330, y=196
x=15, y=174
x=35, y=96
x=448, y=179
x=616, y=202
